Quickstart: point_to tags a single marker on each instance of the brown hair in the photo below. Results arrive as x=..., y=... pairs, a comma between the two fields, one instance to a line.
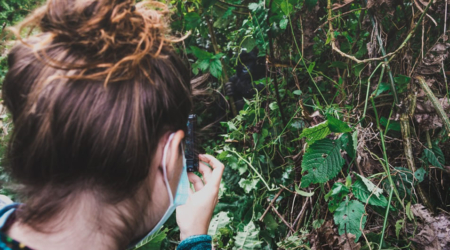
x=90, y=95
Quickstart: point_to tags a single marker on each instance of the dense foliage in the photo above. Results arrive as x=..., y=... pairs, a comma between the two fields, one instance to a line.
x=346, y=139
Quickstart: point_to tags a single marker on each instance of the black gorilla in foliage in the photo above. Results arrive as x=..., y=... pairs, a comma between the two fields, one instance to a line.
x=250, y=67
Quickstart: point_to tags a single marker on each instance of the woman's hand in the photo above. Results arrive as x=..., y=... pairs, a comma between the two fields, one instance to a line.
x=194, y=217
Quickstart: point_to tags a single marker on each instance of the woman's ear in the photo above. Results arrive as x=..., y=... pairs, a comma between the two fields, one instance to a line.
x=174, y=159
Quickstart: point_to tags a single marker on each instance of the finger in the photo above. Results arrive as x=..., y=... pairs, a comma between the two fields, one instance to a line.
x=205, y=171
x=217, y=166
x=196, y=181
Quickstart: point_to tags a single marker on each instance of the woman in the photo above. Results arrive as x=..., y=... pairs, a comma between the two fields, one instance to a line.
x=100, y=101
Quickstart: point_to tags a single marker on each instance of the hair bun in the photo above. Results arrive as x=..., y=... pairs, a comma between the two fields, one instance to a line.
x=111, y=34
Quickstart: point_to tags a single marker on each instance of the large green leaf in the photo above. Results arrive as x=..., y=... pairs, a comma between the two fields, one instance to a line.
x=316, y=132
x=350, y=217
x=362, y=193
x=248, y=238
x=193, y=19
x=335, y=196
x=337, y=126
x=215, y=67
x=219, y=221
x=201, y=54
x=322, y=161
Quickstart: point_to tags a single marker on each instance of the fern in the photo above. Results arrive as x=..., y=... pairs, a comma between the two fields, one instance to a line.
x=322, y=161
x=248, y=239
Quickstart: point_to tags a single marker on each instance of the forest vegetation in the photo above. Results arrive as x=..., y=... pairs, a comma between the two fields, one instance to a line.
x=331, y=117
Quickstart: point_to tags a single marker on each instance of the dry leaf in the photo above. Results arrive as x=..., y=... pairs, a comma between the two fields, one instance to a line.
x=434, y=231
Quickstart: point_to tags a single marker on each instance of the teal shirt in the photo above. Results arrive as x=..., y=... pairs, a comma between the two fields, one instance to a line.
x=196, y=242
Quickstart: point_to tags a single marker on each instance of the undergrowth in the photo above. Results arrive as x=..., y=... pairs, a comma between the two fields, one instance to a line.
x=346, y=145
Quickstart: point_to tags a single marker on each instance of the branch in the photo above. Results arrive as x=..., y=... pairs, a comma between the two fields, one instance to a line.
x=335, y=48
x=233, y=5
x=437, y=106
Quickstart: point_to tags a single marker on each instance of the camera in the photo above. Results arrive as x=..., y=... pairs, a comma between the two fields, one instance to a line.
x=190, y=150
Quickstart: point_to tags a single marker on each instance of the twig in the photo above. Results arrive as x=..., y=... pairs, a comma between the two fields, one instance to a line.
x=439, y=109
x=342, y=6
x=338, y=16
x=418, y=6
x=234, y=11
x=282, y=219
x=302, y=212
x=233, y=5
x=271, y=203
x=256, y=171
x=335, y=48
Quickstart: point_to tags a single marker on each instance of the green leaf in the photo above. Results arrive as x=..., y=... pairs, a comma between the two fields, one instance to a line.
x=337, y=64
x=401, y=79
x=382, y=87
x=253, y=6
x=322, y=161
x=370, y=186
x=408, y=211
x=283, y=23
x=316, y=132
x=337, y=126
x=286, y=7
x=297, y=92
x=273, y=106
x=432, y=158
x=335, y=196
x=398, y=226
x=310, y=3
x=201, y=54
x=203, y=64
x=270, y=223
x=361, y=192
x=153, y=242
x=215, y=68
x=420, y=174
x=439, y=154
x=348, y=216
x=311, y=67
x=219, y=221
x=248, y=238
x=318, y=223
x=303, y=193
x=208, y=3
x=393, y=125
x=248, y=185
x=192, y=19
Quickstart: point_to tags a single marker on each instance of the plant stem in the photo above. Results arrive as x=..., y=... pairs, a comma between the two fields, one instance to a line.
x=385, y=218
x=254, y=169
x=383, y=145
x=272, y=55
